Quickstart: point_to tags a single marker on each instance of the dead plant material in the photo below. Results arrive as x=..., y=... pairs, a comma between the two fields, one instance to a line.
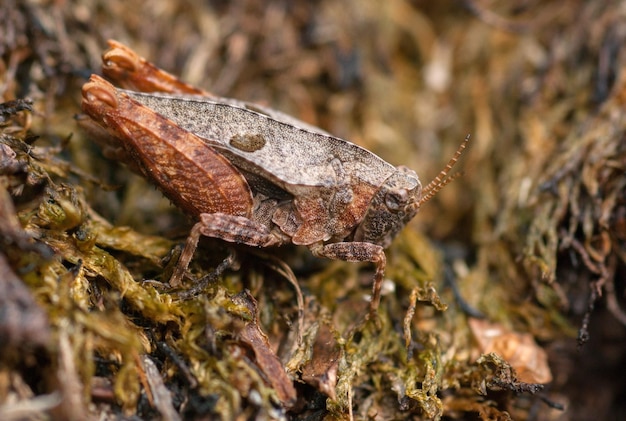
x=534, y=231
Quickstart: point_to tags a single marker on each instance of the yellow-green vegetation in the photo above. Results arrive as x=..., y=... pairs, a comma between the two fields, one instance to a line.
x=490, y=291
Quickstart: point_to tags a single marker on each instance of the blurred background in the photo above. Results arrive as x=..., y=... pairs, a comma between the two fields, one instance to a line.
x=533, y=232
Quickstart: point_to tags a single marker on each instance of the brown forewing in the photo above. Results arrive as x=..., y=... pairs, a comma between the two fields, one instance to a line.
x=125, y=67
x=188, y=171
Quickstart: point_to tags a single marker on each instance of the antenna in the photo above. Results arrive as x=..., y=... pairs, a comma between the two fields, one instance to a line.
x=442, y=178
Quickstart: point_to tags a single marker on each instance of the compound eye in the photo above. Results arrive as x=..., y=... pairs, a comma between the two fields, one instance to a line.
x=395, y=200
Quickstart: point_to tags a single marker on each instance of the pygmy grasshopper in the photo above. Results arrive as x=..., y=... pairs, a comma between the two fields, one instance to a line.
x=249, y=174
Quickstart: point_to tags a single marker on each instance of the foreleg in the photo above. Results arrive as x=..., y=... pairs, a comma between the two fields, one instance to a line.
x=358, y=252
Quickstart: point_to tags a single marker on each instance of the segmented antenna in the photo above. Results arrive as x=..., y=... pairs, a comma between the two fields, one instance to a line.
x=442, y=178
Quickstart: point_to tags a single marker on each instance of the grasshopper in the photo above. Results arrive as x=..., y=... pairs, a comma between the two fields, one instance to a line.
x=249, y=174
